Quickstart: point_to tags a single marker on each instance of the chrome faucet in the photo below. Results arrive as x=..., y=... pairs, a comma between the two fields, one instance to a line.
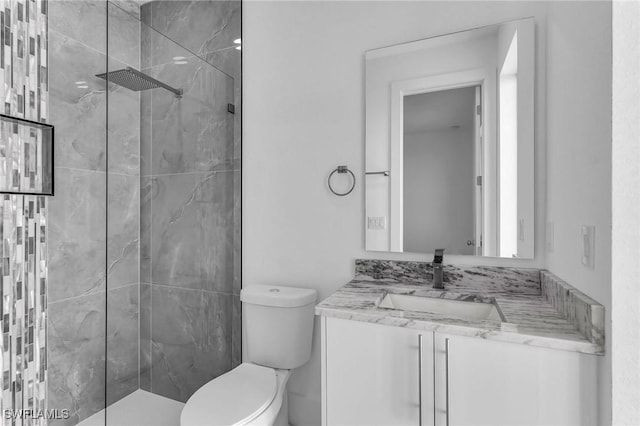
x=437, y=269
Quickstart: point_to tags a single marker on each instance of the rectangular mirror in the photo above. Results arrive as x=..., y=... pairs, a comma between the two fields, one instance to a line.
x=450, y=143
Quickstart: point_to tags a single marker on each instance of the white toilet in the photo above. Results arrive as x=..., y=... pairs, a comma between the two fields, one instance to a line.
x=279, y=325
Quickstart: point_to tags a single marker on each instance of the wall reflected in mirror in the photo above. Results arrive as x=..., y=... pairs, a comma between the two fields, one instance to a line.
x=449, y=143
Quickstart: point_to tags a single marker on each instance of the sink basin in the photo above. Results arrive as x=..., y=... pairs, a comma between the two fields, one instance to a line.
x=455, y=308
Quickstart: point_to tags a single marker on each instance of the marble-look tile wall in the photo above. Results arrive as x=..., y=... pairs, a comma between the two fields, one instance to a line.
x=86, y=340
x=190, y=192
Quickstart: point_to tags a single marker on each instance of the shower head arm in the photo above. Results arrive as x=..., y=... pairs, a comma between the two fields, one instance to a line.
x=178, y=92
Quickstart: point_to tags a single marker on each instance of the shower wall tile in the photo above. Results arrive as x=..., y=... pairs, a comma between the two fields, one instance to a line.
x=190, y=207
x=236, y=332
x=78, y=109
x=200, y=26
x=237, y=122
x=78, y=113
x=226, y=60
x=146, y=134
x=146, y=194
x=192, y=338
x=77, y=234
x=145, y=337
x=132, y=7
x=194, y=133
x=124, y=226
x=82, y=20
x=23, y=219
x=85, y=21
x=192, y=231
x=122, y=342
x=157, y=49
x=23, y=223
x=237, y=232
x=124, y=129
x=124, y=35
x=76, y=364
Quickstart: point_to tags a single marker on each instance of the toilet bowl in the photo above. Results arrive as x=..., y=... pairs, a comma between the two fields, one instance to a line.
x=279, y=325
x=249, y=394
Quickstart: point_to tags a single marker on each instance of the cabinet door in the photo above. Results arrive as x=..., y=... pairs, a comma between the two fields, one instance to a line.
x=483, y=382
x=371, y=374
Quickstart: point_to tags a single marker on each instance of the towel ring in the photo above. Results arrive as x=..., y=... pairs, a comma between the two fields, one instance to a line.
x=342, y=169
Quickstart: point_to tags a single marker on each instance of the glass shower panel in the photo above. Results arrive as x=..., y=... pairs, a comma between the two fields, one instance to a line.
x=173, y=316
x=77, y=212
x=123, y=207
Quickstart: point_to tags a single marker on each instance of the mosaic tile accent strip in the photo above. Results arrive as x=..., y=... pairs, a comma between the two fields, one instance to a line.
x=25, y=157
x=23, y=91
x=23, y=323
x=23, y=219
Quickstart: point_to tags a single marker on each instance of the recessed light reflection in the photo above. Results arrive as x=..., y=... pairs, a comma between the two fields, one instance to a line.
x=237, y=41
x=180, y=62
x=238, y=47
x=83, y=87
x=179, y=58
x=81, y=82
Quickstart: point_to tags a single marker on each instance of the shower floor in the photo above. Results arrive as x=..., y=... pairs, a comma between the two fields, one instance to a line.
x=140, y=408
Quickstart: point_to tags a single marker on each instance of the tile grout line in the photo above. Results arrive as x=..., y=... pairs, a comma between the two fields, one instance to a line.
x=99, y=292
x=139, y=340
x=224, y=293
x=199, y=172
x=150, y=130
x=139, y=211
x=76, y=169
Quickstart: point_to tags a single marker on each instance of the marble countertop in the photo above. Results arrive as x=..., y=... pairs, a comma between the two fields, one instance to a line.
x=539, y=308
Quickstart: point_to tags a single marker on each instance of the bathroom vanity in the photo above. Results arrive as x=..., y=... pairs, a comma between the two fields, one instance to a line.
x=424, y=358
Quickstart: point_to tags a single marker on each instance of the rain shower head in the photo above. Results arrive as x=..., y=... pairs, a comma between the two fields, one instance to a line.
x=135, y=80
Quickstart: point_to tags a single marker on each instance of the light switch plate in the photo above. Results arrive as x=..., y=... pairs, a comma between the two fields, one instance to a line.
x=521, y=229
x=588, y=235
x=376, y=222
x=550, y=238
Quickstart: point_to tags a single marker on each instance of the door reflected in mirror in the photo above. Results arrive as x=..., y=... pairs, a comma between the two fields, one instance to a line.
x=449, y=143
x=440, y=134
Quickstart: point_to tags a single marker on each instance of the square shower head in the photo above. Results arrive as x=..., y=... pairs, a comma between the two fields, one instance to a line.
x=136, y=80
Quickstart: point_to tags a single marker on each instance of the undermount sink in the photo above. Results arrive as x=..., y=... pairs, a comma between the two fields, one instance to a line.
x=474, y=311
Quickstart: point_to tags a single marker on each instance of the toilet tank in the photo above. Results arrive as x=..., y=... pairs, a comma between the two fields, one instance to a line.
x=278, y=325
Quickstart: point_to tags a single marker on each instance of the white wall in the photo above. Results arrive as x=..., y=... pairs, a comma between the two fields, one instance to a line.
x=579, y=152
x=625, y=302
x=438, y=190
x=303, y=92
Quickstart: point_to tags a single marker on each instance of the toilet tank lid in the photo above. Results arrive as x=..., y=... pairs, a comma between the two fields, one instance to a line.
x=278, y=296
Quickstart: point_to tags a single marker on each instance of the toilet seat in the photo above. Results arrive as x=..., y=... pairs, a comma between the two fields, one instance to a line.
x=235, y=398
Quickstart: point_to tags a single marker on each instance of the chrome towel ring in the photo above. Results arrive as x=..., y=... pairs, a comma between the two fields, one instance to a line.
x=342, y=169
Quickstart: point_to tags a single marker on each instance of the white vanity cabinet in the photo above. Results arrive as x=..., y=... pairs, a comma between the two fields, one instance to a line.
x=370, y=373
x=377, y=375
x=485, y=382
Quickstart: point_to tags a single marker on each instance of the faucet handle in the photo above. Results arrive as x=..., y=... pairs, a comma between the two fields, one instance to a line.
x=438, y=256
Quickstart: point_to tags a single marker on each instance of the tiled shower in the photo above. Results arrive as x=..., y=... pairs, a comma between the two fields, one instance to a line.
x=136, y=257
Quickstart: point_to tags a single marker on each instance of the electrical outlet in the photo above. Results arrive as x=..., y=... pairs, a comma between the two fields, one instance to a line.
x=376, y=222
x=588, y=245
x=550, y=239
